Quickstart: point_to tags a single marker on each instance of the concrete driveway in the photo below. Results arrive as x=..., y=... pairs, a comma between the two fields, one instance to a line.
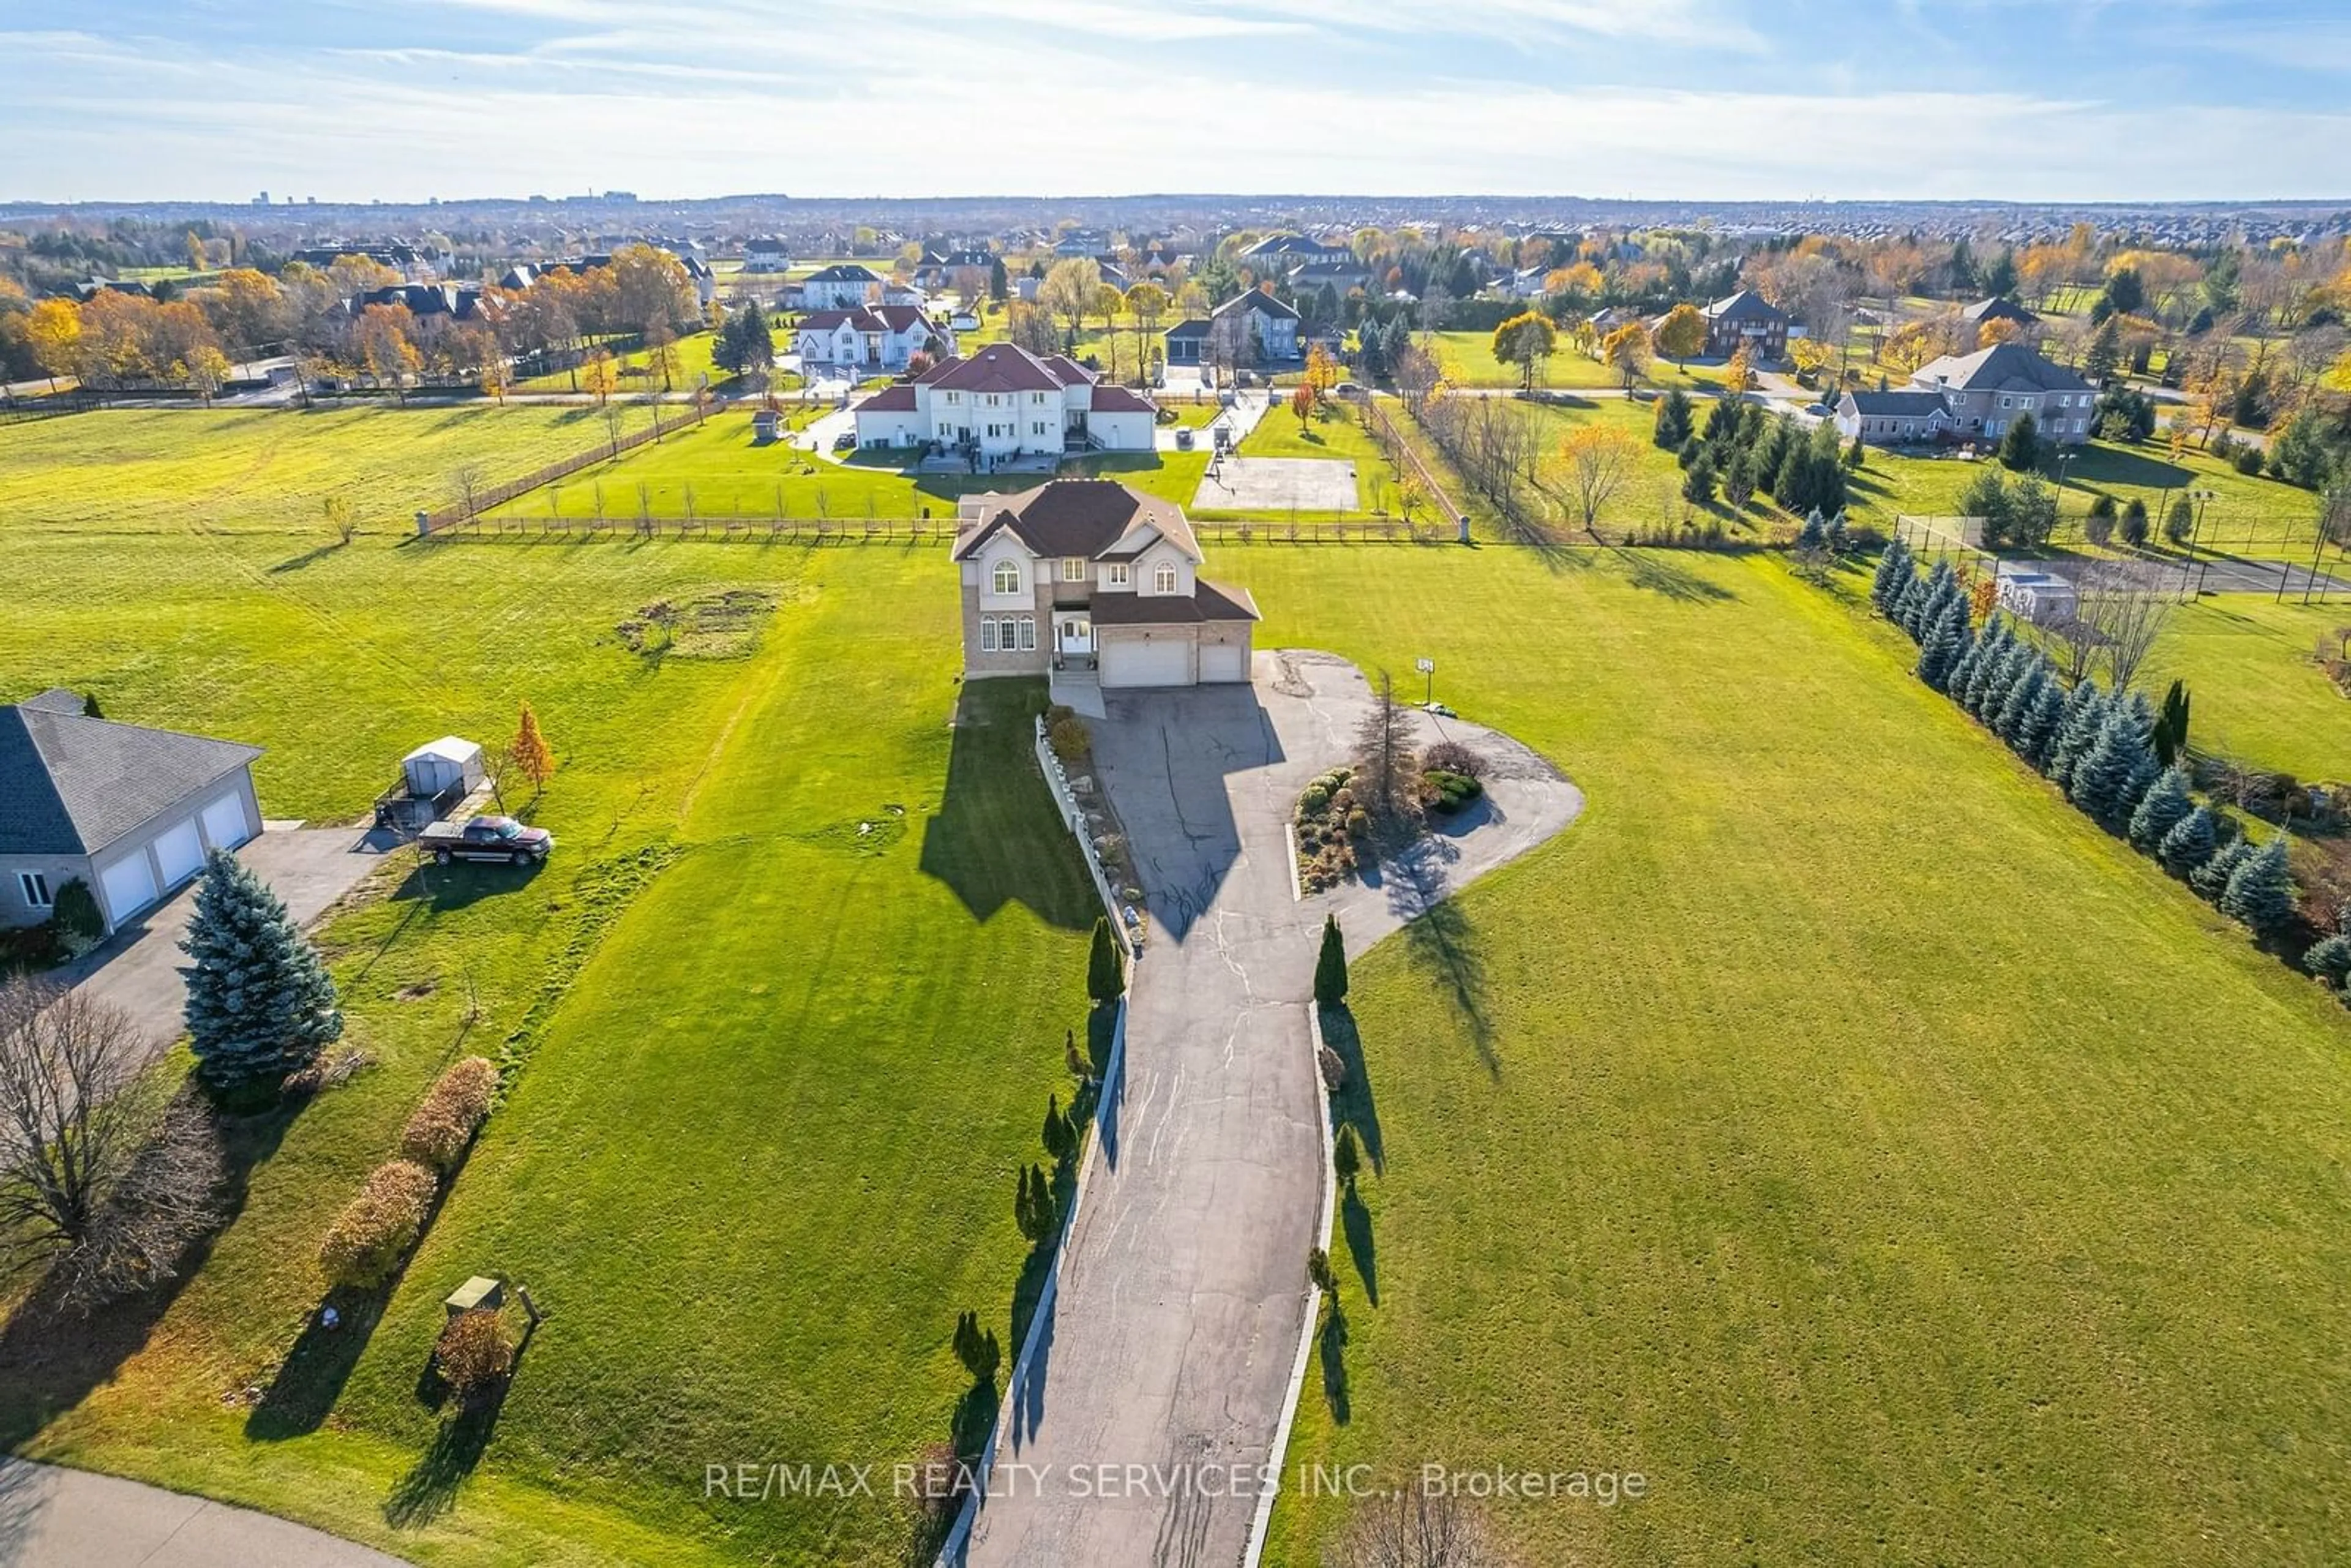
x=137, y=968
x=1182, y=1294
x=52, y=1517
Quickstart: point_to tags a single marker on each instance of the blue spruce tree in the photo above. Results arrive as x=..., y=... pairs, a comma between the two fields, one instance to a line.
x=2260, y=893
x=260, y=1005
x=2190, y=842
x=1948, y=643
x=2036, y=738
x=1894, y=573
x=2211, y=878
x=2077, y=730
x=2164, y=806
x=2101, y=781
x=2016, y=705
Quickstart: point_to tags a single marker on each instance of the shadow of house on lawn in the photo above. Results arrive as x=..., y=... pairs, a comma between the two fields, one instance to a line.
x=990, y=839
x=52, y=1358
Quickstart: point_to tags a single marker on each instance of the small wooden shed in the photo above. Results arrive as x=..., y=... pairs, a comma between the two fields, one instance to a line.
x=443, y=766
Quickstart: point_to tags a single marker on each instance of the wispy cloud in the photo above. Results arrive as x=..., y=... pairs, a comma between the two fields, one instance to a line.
x=1069, y=97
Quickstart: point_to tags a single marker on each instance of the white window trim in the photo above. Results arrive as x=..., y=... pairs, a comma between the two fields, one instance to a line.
x=995, y=577
x=1073, y=569
x=1164, y=577
x=987, y=633
x=1114, y=574
x=34, y=886
x=1028, y=634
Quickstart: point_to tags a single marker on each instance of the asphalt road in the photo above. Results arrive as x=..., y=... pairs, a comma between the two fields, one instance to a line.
x=1183, y=1287
x=52, y=1517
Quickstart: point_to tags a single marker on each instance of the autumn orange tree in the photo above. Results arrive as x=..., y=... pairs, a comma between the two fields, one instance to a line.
x=599, y=376
x=1682, y=334
x=533, y=757
x=1626, y=352
x=1599, y=459
x=1322, y=372
x=1740, y=374
x=1301, y=403
x=1526, y=341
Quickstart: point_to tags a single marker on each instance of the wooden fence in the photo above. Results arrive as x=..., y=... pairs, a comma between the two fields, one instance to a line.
x=1393, y=441
x=497, y=495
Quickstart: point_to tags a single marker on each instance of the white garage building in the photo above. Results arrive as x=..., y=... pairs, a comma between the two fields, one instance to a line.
x=1087, y=574
x=129, y=811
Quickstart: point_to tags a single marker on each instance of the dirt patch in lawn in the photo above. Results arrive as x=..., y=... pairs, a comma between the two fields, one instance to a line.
x=723, y=623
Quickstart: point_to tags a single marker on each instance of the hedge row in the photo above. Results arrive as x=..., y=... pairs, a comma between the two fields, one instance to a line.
x=368, y=1241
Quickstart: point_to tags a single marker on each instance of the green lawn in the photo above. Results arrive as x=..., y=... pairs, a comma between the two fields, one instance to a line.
x=1469, y=358
x=1333, y=433
x=788, y=1001
x=1832, y=1126
x=253, y=471
x=2258, y=694
x=729, y=475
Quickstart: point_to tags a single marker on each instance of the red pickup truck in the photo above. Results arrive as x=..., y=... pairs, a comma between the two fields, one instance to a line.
x=486, y=839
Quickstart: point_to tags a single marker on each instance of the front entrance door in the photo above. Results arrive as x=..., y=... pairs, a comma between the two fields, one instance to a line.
x=1077, y=634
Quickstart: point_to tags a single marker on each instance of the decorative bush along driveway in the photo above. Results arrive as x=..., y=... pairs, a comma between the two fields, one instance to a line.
x=1181, y=1296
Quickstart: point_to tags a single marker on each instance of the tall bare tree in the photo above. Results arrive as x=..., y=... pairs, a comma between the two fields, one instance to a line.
x=105, y=1175
x=1411, y=1528
x=1387, y=774
x=2125, y=604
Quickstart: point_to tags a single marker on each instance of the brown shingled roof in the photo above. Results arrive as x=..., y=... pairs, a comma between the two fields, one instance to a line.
x=1208, y=602
x=1091, y=518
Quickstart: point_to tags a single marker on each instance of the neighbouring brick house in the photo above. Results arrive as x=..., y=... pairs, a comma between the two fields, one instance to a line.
x=1746, y=318
x=1088, y=574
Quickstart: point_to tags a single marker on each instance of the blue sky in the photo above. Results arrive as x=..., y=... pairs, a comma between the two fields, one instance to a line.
x=2026, y=100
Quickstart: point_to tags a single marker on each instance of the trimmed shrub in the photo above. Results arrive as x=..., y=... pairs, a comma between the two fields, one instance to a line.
x=2135, y=523
x=1331, y=965
x=368, y=1240
x=474, y=1356
x=1067, y=735
x=1452, y=756
x=76, y=916
x=450, y=1114
x=1452, y=791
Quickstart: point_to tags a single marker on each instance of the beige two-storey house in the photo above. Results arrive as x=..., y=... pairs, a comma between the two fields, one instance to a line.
x=1087, y=574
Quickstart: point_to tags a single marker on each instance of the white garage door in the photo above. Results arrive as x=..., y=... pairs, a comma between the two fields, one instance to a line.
x=181, y=852
x=129, y=886
x=225, y=822
x=1160, y=663
x=1223, y=662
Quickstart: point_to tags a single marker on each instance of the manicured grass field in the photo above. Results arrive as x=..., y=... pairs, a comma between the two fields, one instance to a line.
x=251, y=471
x=789, y=998
x=1832, y=1126
x=730, y=475
x=2258, y=693
x=1469, y=359
x=636, y=367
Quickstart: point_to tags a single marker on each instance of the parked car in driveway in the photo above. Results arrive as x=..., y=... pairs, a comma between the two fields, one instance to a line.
x=500, y=838
x=845, y=442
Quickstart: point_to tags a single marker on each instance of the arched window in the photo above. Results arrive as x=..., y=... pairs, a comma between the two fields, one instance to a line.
x=1008, y=577
x=1163, y=577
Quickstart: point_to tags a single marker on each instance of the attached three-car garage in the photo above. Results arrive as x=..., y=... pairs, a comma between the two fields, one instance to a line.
x=128, y=810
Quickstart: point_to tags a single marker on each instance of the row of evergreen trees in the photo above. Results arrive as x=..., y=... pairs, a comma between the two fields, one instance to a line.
x=2116, y=759
x=1746, y=450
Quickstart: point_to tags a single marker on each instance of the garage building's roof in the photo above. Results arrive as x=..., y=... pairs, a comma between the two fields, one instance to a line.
x=71, y=785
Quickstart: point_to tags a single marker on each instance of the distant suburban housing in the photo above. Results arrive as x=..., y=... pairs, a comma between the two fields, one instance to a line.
x=1003, y=401
x=766, y=253
x=938, y=268
x=1281, y=251
x=868, y=339
x=1086, y=573
x=128, y=811
x=1746, y=318
x=1969, y=395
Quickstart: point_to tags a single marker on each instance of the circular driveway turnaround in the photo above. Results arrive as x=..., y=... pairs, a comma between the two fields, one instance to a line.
x=1163, y=1364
